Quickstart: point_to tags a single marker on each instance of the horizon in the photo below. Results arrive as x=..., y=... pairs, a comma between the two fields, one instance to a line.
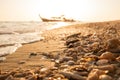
x=83, y=10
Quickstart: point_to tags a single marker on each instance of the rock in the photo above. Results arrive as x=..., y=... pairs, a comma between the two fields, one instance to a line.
x=21, y=62
x=72, y=76
x=71, y=45
x=32, y=54
x=3, y=77
x=109, y=68
x=118, y=71
x=71, y=40
x=118, y=78
x=74, y=35
x=20, y=74
x=66, y=58
x=113, y=45
x=70, y=63
x=107, y=55
x=32, y=78
x=95, y=73
x=118, y=59
x=82, y=73
x=43, y=70
x=93, y=76
x=105, y=77
x=10, y=78
x=102, y=62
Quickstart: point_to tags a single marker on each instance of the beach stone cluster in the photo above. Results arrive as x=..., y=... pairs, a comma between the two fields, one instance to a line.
x=86, y=57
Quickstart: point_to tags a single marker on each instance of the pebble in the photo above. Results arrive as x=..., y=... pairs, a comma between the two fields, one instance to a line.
x=43, y=70
x=95, y=73
x=66, y=58
x=70, y=63
x=105, y=77
x=109, y=68
x=113, y=45
x=118, y=59
x=10, y=78
x=20, y=74
x=102, y=62
x=72, y=76
x=21, y=62
x=107, y=55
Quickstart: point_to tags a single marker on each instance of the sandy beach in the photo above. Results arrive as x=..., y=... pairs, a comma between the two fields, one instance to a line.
x=39, y=54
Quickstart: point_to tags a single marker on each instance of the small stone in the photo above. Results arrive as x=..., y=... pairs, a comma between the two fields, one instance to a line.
x=107, y=55
x=113, y=45
x=21, y=62
x=118, y=59
x=105, y=77
x=66, y=59
x=20, y=75
x=109, y=68
x=10, y=78
x=32, y=78
x=118, y=71
x=95, y=73
x=70, y=63
x=82, y=73
x=71, y=40
x=118, y=78
x=32, y=54
x=102, y=62
x=3, y=77
x=43, y=70
x=72, y=76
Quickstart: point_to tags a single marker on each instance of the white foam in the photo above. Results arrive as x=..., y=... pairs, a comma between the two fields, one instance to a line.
x=9, y=49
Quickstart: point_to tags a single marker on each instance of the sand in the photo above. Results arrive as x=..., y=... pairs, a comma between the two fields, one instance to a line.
x=53, y=43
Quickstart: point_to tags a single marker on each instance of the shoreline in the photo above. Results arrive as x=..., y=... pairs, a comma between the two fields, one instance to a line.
x=45, y=54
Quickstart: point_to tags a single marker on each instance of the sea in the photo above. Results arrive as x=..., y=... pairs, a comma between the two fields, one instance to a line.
x=14, y=34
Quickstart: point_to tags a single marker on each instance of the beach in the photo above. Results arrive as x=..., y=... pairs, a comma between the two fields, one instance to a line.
x=67, y=53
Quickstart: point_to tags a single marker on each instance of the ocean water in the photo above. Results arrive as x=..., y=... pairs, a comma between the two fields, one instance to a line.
x=14, y=34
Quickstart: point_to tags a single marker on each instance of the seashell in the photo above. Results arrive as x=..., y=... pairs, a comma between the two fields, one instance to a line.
x=105, y=77
x=102, y=62
x=107, y=55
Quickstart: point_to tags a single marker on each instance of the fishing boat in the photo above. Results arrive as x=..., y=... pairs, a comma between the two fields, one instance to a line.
x=56, y=19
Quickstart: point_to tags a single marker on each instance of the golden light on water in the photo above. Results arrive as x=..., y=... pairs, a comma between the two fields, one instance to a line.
x=85, y=10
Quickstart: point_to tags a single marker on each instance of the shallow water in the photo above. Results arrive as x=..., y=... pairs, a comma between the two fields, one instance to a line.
x=14, y=34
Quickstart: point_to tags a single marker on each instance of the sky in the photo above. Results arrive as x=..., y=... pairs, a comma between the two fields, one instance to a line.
x=83, y=10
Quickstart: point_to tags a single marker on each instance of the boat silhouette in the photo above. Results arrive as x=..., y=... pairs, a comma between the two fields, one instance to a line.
x=56, y=19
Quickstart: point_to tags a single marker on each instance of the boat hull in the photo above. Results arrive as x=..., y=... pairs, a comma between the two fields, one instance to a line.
x=56, y=20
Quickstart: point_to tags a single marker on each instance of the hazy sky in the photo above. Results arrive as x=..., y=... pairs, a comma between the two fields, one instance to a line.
x=84, y=10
